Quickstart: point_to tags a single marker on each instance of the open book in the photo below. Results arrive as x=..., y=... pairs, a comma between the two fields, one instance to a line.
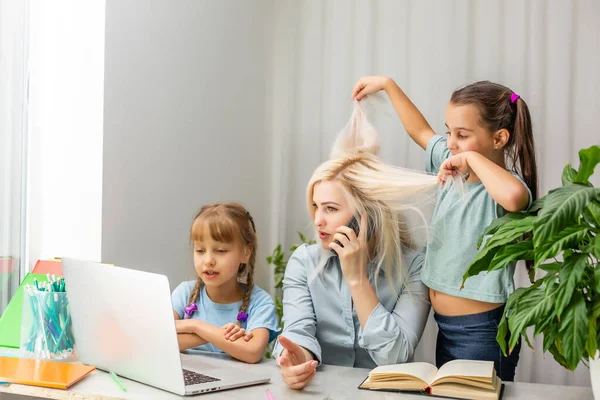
x=463, y=379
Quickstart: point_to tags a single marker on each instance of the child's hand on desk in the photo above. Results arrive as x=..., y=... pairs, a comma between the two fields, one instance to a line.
x=232, y=332
x=297, y=368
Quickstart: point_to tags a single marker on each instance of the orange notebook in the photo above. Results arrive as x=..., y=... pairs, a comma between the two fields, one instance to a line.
x=48, y=267
x=53, y=374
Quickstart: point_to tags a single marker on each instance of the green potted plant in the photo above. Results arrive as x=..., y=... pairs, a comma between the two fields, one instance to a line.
x=559, y=235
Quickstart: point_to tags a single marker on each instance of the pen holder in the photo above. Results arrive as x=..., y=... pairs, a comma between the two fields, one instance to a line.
x=46, y=329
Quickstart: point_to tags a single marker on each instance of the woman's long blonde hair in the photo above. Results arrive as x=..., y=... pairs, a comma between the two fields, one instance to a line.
x=385, y=193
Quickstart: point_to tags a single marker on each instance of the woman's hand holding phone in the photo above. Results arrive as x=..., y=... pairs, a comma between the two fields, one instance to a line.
x=351, y=247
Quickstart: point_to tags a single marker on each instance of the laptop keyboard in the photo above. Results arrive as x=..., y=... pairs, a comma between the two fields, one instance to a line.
x=194, y=378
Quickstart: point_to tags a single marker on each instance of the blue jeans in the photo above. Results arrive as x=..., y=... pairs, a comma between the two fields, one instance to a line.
x=473, y=337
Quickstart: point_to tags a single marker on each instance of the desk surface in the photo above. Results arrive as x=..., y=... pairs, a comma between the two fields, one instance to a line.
x=330, y=383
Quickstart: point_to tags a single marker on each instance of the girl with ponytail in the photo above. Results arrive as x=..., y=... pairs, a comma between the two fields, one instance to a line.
x=489, y=145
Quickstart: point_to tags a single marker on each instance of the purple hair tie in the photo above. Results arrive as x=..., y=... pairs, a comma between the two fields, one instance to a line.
x=242, y=316
x=189, y=310
x=514, y=97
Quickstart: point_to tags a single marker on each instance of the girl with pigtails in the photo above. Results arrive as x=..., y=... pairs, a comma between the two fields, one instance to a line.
x=223, y=310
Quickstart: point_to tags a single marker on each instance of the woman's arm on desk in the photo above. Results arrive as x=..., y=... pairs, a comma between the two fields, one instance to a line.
x=250, y=351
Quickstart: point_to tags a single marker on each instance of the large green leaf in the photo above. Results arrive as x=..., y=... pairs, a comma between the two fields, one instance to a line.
x=480, y=263
x=589, y=157
x=557, y=353
x=510, y=253
x=575, y=329
x=591, y=344
x=551, y=267
x=509, y=307
x=526, y=337
x=497, y=223
x=537, y=205
x=501, y=335
x=511, y=231
x=570, y=276
x=592, y=214
x=568, y=175
x=595, y=313
x=544, y=323
x=551, y=286
x=562, y=206
x=594, y=247
x=550, y=336
x=506, y=233
x=566, y=238
x=549, y=319
x=532, y=306
x=514, y=297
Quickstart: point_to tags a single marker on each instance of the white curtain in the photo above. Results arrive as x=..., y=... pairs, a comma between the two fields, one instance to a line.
x=13, y=148
x=547, y=51
x=66, y=87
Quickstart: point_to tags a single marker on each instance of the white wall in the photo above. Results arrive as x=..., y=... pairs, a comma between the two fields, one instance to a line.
x=184, y=125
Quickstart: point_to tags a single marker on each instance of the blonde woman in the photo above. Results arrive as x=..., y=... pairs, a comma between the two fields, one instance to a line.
x=365, y=304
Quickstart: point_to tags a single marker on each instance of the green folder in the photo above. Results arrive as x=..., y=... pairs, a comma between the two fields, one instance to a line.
x=10, y=321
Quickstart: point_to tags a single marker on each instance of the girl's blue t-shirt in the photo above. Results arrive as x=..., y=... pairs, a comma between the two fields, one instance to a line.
x=261, y=311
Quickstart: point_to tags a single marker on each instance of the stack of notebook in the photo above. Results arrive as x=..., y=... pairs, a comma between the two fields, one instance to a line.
x=53, y=374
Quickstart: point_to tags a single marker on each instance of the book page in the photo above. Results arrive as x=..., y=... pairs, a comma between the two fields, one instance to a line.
x=468, y=392
x=467, y=369
x=423, y=371
x=414, y=385
x=475, y=382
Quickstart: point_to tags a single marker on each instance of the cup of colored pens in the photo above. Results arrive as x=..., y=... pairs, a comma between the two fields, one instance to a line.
x=46, y=329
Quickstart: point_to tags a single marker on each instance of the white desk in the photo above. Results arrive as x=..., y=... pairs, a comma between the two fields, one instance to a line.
x=330, y=383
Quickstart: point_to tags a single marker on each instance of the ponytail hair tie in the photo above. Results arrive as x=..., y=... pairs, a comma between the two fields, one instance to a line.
x=514, y=97
x=242, y=316
x=189, y=310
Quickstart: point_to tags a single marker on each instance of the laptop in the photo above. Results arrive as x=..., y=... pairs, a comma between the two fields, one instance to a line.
x=123, y=322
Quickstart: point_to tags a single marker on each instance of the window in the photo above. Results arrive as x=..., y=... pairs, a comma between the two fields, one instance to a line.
x=13, y=146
